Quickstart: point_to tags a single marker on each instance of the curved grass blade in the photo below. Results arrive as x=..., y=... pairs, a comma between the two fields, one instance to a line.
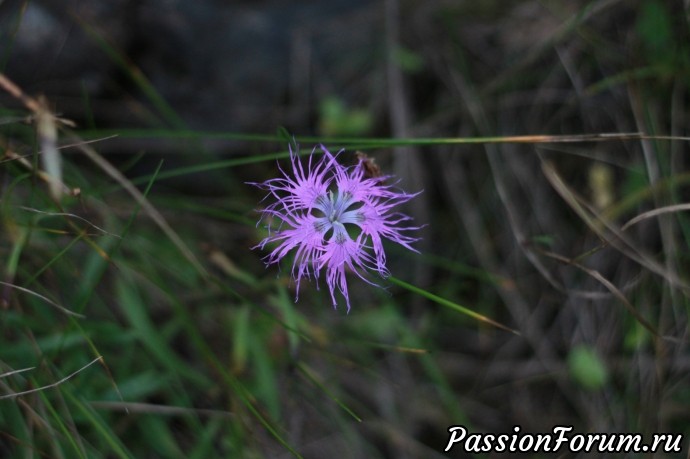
x=47, y=300
x=52, y=385
x=311, y=377
x=451, y=305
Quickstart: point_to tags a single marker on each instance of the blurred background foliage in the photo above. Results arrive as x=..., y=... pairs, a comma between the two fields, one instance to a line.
x=167, y=108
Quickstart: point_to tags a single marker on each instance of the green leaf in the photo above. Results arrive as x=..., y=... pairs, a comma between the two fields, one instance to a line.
x=338, y=120
x=408, y=60
x=587, y=368
x=655, y=28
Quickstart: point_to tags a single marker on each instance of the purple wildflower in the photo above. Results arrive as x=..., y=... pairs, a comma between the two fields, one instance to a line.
x=335, y=218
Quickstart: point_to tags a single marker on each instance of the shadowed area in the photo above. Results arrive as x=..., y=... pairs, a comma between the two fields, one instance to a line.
x=547, y=141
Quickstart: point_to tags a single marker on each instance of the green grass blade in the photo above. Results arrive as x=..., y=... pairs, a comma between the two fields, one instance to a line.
x=450, y=304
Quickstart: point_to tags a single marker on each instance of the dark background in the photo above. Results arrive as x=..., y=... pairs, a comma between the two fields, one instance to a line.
x=409, y=70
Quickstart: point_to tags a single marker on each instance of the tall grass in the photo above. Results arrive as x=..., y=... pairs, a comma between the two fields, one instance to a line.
x=552, y=289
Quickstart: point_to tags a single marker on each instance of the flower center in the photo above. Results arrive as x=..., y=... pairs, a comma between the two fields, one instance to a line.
x=333, y=212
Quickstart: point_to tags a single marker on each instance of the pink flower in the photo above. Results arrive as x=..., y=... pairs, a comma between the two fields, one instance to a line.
x=334, y=218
